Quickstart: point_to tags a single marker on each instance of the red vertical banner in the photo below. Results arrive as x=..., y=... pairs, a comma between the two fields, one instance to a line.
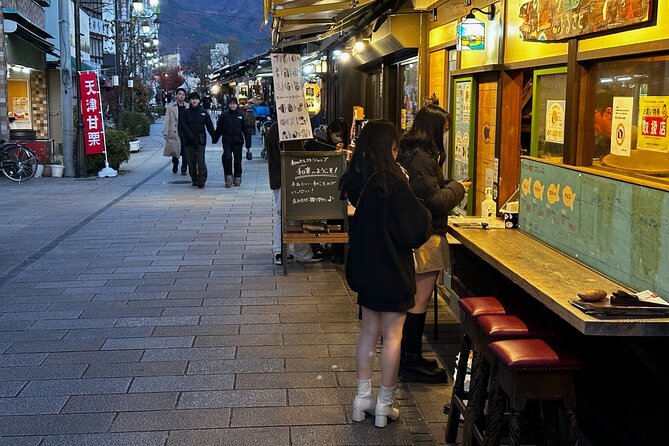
x=91, y=111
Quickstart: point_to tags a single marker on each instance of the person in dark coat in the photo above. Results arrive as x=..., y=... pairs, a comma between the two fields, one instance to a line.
x=234, y=129
x=196, y=122
x=422, y=153
x=389, y=222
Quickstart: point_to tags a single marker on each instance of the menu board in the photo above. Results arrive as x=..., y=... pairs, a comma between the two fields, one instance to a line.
x=551, y=20
x=463, y=135
x=291, y=107
x=310, y=185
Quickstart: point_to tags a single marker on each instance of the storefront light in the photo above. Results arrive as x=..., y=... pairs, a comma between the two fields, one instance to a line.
x=345, y=56
x=153, y=3
x=137, y=5
x=336, y=53
x=359, y=45
x=308, y=70
x=471, y=31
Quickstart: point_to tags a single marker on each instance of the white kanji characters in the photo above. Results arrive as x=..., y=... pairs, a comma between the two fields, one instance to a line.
x=90, y=87
x=94, y=139
x=93, y=121
x=92, y=105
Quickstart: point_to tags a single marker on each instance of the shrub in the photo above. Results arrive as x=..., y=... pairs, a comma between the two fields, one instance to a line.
x=134, y=124
x=160, y=110
x=118, y=152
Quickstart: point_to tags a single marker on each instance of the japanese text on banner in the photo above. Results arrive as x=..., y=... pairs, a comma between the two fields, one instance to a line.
x=91, y=112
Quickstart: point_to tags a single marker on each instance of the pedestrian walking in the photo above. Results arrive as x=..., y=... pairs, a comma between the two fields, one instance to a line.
x=196, y=124
x=422, y=153
x=234, y=130
x=303, y=251
x=389, y=222
x=174, y=133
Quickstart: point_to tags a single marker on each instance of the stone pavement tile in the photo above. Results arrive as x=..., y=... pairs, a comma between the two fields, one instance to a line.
x=235, y=366
x=171, y=419
x=280, y=328
x=164, y=303
x=11, y=388
x=182, y=383
x=188, y=288
x=201, y=311
x=41, y=372
x=320, y=339
x=55, y=346
x=275, y=436
x=321, y=364
x=434, y=412
x=287, y=416
x=157, y=321
x=329, y=287
x=343, y=307
x=20, y=441
x=341, y=350
x=32, y=405
x=109, y=333
x=287, y=380
x=189, y=354
x=208, y=280
x=359, y=434
x=14, y=325
x=54, y=424
x=236, y=300
x=143, y=368
x=136, y=296
x=86, y=305
x=279, y=309
x=102, y=357
x=196, y=330
x=21, y=307
x=284, y=351
x=212, y=294
x=431, y=394
x=108, y=439
x=203, y=273
x=75, y=386
x=126, y=402
x=233, y=398
x=320, y=397
x=120, y=312
x=240, y=319
x=237, y=341
x=139, y=343
x=341, y=327
x=21, y=359
x=72, y=324
x=319, y=317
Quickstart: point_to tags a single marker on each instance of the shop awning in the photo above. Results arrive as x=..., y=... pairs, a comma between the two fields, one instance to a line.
x=248, y=67
x=296, y=22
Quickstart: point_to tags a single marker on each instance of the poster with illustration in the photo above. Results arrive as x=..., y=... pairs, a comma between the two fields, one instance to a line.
x=291, y=105
x=653, y=114
x=555, y=121
x=621, y=125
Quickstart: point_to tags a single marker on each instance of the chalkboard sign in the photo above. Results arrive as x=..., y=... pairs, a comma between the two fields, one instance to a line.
x=310, y=185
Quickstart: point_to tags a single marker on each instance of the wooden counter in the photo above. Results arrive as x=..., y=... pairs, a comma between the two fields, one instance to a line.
x=552, y=278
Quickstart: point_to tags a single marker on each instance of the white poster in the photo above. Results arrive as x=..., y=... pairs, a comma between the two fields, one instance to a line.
x=555, y=121
x=621, y=125
x=291, y=107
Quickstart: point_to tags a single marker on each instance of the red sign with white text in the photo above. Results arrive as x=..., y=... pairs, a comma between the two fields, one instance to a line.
x=91, y=111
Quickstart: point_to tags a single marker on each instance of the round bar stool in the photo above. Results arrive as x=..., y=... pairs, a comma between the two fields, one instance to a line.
x=471, y=308
x=530, y=369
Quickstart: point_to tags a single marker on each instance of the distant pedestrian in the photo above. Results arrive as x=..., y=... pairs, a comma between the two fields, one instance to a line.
x=389, y=222
x=234, y=130
x=196, y=124
x=303, y=251
x=206, y=102
x=423, y=155
x=174, y=132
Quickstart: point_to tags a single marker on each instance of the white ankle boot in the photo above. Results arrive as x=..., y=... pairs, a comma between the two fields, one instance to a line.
x=384, y=407
x=363, y=401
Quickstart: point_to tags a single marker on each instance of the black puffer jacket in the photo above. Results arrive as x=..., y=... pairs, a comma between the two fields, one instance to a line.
x=233, y=128
x=427, y=182
x=195, y=121
x=384, y=231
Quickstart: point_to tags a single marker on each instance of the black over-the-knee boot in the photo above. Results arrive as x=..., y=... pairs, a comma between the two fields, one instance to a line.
x=413, y=367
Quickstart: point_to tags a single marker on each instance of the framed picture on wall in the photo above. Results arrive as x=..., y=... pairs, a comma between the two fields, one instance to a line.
x=463, y=136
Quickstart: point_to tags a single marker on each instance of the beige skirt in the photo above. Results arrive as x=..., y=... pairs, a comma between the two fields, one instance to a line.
x=433, y=255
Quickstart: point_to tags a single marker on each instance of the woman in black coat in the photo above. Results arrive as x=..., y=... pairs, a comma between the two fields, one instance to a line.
x=234, y=129
x=389, y=222
x=422, y=153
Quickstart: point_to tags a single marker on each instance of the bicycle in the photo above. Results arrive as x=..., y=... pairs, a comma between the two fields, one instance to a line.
x=17, y=162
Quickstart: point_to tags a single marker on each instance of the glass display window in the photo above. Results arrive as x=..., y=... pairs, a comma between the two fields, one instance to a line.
x=409, y=84
x=548, y=113
x=631, y=110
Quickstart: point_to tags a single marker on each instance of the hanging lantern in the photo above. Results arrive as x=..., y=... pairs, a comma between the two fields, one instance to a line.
x=471, y=31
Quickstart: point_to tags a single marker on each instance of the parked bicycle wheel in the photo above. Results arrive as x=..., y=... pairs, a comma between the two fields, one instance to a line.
x=18, y=163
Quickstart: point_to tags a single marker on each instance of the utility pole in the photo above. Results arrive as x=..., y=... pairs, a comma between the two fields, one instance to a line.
x=119, y=64
x=66, y=87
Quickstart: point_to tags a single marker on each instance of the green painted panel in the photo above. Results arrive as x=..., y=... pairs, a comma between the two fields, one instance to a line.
x=617, y=228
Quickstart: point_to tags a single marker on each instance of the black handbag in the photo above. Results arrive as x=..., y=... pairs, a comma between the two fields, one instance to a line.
x=249, y=155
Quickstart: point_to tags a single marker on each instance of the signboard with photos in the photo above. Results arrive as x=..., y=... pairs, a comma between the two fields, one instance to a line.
x=291, y=108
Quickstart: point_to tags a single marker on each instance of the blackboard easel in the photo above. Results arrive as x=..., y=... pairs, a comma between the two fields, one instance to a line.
x=310, y=192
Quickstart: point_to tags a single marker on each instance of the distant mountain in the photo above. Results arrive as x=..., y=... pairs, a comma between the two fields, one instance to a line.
x=187, y=24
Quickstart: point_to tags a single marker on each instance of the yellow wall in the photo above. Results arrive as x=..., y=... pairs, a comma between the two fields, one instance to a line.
x=493, y=30
x=518, y=50
x=442, y=34
x=644, y=34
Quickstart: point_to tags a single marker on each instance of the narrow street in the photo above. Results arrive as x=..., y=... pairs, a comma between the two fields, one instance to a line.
x=139, y=310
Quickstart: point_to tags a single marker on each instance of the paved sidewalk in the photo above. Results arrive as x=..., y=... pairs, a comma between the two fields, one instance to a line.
x=139, y=310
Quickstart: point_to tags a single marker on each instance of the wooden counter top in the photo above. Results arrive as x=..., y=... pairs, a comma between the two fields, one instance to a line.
x=553, y=279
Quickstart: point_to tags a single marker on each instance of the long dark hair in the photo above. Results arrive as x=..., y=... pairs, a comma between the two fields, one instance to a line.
x=427, y=132
x=372, y=157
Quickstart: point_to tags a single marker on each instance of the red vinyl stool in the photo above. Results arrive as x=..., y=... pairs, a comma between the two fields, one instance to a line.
x=530, y=369
x=471, y=309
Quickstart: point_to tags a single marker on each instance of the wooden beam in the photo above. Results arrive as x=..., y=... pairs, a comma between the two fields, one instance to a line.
x=508, y=133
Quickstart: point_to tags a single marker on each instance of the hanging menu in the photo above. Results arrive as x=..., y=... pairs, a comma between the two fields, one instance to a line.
x=291, y=109
x=310, y=185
